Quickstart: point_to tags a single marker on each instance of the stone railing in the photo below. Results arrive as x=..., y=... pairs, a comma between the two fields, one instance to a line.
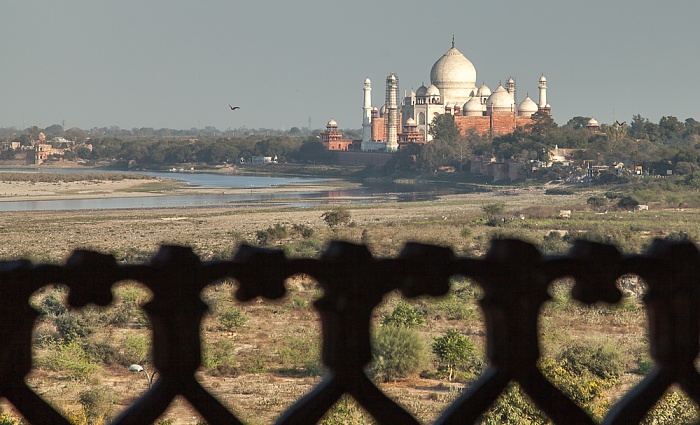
x=513, y=275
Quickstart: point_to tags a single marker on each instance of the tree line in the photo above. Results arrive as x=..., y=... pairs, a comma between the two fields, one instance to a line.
x=668, y=144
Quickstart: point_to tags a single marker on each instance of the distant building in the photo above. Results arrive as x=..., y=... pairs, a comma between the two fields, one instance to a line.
x=452, y=91
x=332, y=138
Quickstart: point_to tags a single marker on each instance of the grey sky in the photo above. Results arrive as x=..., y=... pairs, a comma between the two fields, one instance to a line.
x=178, y=63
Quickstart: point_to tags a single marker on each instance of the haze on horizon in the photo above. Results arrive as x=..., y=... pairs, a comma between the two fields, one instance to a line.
x=179, y=65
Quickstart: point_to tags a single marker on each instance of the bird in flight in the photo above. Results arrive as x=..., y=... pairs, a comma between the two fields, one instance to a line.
x=233, y=108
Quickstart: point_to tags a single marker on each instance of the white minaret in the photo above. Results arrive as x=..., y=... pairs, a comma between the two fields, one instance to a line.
x=543, y=92
x=392, y=120
x=367, y=112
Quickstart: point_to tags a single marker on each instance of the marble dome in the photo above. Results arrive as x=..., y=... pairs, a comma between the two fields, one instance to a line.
x=454, y=75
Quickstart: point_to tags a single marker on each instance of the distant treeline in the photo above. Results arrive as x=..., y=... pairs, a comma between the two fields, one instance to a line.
x=52, y=177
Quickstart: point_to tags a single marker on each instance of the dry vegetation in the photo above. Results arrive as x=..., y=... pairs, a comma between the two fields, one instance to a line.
x=262, y=356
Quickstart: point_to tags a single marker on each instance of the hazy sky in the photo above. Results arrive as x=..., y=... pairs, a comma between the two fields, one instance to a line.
x=179, y=63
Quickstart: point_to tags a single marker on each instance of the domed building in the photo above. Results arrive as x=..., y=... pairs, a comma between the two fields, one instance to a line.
x=453, y=91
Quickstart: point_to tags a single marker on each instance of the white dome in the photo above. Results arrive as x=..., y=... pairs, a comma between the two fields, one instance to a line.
x=332, y=123
x=542, y=79
x=367, y=81
x=433, y=91
x=410, y=122
x=484, y=91
x=454, y=75
x=527, y=105
x=473, y=107
x=500, y=100
x=592, y=123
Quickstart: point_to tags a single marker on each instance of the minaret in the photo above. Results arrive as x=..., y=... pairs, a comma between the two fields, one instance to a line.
x=543, y=93
x=392, y=112
x=367, y=112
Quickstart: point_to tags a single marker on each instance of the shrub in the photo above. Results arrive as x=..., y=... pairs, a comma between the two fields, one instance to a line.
x=453, y=350
x=72, y=326
x=397, y=352
x=627, y=202
x=602, y=360
x=558, y=191
x=302, y=356
x=596, y=202
x=404, y=315
x=136, y=349
x=98, y=403
x=232, y=319
x=305, y=231
x=219, y=358
x=71, y=359
x=271, y=234
x=337, y=217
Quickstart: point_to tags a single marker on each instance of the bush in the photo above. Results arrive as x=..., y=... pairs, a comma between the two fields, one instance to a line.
x=271, y=234
x=337, y=217
x=397, y=352
x=627, y=202
x=602, y=360
x=73, y=326
x=71, y=359
x=305, y=231
x=136, y=349
x=404, y=315
x=558, y=191
x=98, y=403
x=219, y=358
x=302, y=356
x=231, y=319
x=597, y=202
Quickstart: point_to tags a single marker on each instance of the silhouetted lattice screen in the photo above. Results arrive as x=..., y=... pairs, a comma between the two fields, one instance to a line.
x=513, y=275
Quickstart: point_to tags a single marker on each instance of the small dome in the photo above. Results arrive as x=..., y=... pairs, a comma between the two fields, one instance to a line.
x=410, y=122
x=367, y=81
x=542, y=79
x=484, y=91
x=527, y=105
x=332, y=124
x=422, y=90
x=433, y=91
x=592, y=123
x=510, y=80
x=500, y=100
x=473, y=107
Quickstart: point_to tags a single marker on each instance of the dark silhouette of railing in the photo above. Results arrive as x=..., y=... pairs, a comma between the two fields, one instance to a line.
x=514, y=277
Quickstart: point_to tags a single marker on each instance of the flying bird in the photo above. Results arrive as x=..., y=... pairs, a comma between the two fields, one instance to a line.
x=233, y=108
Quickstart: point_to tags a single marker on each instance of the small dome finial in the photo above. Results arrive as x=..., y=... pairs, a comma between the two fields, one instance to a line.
x=453, y=41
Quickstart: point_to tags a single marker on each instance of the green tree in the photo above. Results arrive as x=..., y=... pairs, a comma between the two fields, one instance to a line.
x=443, y=128
x=453, y=350
x=670, y=128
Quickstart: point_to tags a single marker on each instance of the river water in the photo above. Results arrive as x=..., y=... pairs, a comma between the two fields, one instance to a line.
x=375, y=193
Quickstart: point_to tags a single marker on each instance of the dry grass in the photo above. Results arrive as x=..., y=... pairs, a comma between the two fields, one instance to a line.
x=262, y=383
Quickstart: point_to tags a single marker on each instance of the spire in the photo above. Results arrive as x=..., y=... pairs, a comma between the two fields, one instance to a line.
x=453, y=41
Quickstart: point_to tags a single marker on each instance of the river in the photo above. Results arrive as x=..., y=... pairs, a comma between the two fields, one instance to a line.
x=374, y=193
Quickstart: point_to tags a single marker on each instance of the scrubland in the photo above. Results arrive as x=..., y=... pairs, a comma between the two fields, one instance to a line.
x=259, y=357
